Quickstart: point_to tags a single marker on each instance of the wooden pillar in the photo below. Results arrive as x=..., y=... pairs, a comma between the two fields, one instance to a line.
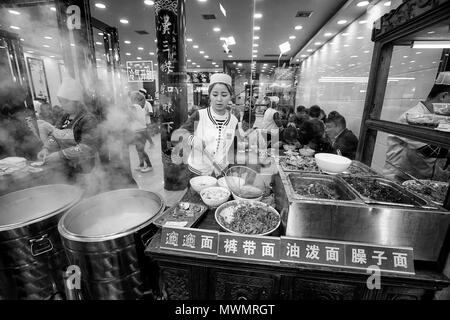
x=170, y=21
x=75, y=30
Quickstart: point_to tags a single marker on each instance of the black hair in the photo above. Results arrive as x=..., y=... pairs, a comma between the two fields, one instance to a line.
x=301, y=109
x=230, y=89
x=336, y=118
x=437, y=89
x=314, y=111
x=290, y=134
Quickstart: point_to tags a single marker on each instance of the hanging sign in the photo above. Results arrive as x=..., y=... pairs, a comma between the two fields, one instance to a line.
x=140, y=71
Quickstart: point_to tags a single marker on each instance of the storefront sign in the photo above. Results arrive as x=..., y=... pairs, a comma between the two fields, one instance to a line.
x=249, y=247
x=190, y=240
x=347, y=255
x=140, y=71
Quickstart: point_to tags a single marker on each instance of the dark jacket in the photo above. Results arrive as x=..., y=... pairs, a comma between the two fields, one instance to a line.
x=347, y=143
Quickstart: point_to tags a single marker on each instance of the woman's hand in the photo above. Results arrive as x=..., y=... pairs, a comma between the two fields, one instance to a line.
x=42, y=154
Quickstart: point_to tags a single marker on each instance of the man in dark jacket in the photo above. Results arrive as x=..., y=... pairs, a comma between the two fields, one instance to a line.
x=341, y=139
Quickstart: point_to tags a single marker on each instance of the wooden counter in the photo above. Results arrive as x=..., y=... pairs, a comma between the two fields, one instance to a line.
x=196, y=276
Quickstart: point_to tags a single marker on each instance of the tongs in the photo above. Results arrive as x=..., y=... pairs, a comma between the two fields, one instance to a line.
x=411, y=176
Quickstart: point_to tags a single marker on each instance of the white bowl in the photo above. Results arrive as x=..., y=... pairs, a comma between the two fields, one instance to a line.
x=214, y=196
x=332, y=163
x=222, y=182
x=201, y=182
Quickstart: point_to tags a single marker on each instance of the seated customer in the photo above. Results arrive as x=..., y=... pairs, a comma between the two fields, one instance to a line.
x=340, y=137
x=301, y=116
x=312, y=134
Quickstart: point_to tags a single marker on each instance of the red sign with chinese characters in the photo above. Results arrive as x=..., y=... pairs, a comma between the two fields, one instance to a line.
x=191, y=240
x=347, y=255
x=249, y=247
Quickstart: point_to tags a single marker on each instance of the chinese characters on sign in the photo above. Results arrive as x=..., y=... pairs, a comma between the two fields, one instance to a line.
x=346, y=255
x=249, y=247
x=192, y=240
x=286, y=249
x=140, y=71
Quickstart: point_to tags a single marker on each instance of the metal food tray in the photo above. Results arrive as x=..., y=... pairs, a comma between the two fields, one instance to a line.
x=364, y=170
x=415, y=200
x=286, y=169
x=342, y=188
x=427, y=197
x=191, y=220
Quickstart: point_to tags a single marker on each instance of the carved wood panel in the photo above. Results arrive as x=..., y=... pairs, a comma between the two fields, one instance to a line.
x=243, y=287
x=175, y=283
x=321, y=290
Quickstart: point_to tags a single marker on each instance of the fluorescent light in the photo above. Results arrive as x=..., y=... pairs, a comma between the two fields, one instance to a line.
x=342, y=22
x=52, y=56
x=189, y=60
x=216, y=29
x=224, y=12
x=256, y=28
x=256, y=45
x=310, y=50
x=258, y=15
x=14, y=12
x=303, y=56
x=256, y=38
x=149, y=2
x=328, y=34
x=360, y=38
x=298, y=27
x=53, y=8
x=292, y=37
x=431, y=32
x=99, y=43
x=366, y=51
x=362, y=3
x=140, y=48
x=353, y=56
x=230, y=56
x=255, y=56
x=139, y=58
x=358, y=79
x=48, y=38
x=127, y=41
x=100, y=5
x=14, y=27
x=431, y=44
x=46, y=46
x=128, y=54
x=22, y=39
x=345, y=34
x=195, y=46
x=285, y=47
x=362, y=21
x=206, y=57
x=202, y=52
x=317, y=43
x=151, y=53
x=230, y=41
x=189, y=39
x=124, y=21
x=255, y=51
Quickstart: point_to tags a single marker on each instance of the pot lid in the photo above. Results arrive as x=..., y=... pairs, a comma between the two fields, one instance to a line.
x=31, y=205
x=110, y=215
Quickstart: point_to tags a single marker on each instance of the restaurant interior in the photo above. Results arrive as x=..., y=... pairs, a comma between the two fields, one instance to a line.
x=370, y=62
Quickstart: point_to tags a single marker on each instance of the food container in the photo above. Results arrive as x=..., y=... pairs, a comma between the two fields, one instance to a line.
x=358, y=168
x=298, y=163
x=214, y=196
x=201, y=182
x=32, y=257
x=373, y=189
x=106, y=236
x=332, y=163
x=225, y=214
x=319, y=188
x=183, y=214
x=435, y=194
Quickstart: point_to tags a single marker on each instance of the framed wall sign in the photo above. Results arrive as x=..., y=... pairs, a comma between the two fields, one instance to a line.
x=140, y=71
x=38, y=79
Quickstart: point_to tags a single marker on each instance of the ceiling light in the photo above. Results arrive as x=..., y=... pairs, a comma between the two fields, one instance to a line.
x=189, y=39
x=353, y=56
x=431, y=32
x=256, y=45
x=151, y=53
x=189, y=60
x=198, y=66
x=140, y=48
x=362, y=3
x=418, y=52
x=255, y=51
x=98, y=59
x=195, y=46
x=256, y=28
x=194, y=63
x=298, y=27
x=346, y=45
x=127, y=41
x=234, y=62
x=216, y=29
x=292, y=37
x=98, y=43
x=255, y=56
x=317, y=43
x=202, y=0
x=22, y=39
x=156, y=64
x=230, y=56
x=431, y=44
x=53, y=8
x=310, y=50
x=14, y=27
x=258, y=15
x=52, y=56
x=128, y=54
x=124, y=21
x=46, y=46
x=72, y=44
x=100, y=5
x=362, y=21
x=285, y=47
x=206, y=57
x=48, y=38
x=202, y=52
x=255, y=38
x=149, y=2
x=14, y=12
x=366, y=51
x=239, y=64
x=156, y=40
x=139, y=58
x=360, y=38
x=345, y=34
x=412, y=61
x=387, y=3
x=328, y=34
x=342, y=22
x=30, y=51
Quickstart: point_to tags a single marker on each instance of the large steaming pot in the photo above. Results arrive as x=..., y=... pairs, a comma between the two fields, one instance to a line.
x=105, y=236
x=32, y=258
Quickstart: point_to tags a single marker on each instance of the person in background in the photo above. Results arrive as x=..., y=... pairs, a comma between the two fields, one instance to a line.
x=139, y=126
x=79, y=160
x=322, y=115
x=292, y=121
x=314, y=112
x=419, y=159
x=341, y=139
x=301, y=116
x=148, y=115
x=271, y=122
x=312, y=134
x=289, y=136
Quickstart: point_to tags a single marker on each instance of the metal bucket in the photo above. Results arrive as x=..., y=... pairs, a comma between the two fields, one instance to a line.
x=32, y=257
x=105, y=236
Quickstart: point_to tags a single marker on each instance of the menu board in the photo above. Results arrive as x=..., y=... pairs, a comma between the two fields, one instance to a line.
x=140, y=71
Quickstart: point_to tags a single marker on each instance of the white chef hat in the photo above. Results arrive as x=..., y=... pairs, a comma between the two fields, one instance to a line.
x=71, y=89
x=219, y=78
x=443, y=78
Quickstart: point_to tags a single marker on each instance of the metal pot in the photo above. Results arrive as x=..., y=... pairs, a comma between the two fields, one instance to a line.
x=105, y=236
x=32, y=257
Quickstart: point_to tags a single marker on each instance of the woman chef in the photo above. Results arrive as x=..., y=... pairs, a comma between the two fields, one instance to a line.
x=210, y=131
x=78, y=159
